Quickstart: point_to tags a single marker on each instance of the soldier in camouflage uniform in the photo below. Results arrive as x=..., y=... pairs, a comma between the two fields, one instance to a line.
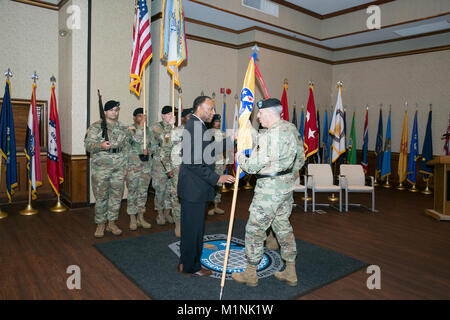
x=108, y=168
x=160, y=132
x=138, y=171
x=276, y=161
x=172, y=160
x=219, y=135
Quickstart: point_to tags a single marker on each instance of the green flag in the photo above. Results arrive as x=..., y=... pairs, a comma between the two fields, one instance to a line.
x=351, y=152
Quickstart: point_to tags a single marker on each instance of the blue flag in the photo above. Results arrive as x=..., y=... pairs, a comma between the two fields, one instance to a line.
x=224, y=117
x=319, y=153
x=386, y=167
x=365, y=150
x=301, y=130
x=379, y=143
x=8, y=142
x=427, y=152
x=413, y=153
x=294, y=117
x=326, y=140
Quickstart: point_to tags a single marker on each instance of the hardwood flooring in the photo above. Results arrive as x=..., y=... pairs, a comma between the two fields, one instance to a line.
x=411, y=249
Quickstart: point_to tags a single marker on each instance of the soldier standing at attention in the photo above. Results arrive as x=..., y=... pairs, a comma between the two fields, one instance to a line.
x=276, y=161
x=108, y=168
x=138, y=171
x=160, y=132
x=218, y=135
x=172, y=159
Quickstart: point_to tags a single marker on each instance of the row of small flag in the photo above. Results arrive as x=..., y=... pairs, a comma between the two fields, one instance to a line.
x=32, y=145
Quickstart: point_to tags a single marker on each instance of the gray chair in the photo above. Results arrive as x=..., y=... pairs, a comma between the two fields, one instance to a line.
x=354, y=180
x=320, y=179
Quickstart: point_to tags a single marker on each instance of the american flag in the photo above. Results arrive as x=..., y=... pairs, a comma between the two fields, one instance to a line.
x=142, y=45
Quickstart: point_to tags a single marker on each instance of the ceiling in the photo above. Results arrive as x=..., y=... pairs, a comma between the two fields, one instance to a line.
x=215, y=16
x=324, y=7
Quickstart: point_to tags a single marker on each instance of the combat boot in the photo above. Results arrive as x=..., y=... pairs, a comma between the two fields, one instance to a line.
x=249, y=276
x=168, y=216
x=111, y=227
x=217, y=209
x=141, y=221
x=160, y=218
x=289, y=274
x=133, y=222
x=177, y=229
x=211, y=212
x=100, y=231
x=271, y=242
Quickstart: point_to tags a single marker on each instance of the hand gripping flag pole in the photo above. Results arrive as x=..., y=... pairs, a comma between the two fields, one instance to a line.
x=244, y=144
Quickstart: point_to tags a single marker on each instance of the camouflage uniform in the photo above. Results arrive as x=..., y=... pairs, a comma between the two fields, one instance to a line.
x=138, y=172
x=160, y=132
x=107, y=169
x=219, y=135
x=278, y=149
x=172, y=160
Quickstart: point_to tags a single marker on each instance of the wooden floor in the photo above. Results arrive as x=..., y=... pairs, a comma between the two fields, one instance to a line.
x=411, y=249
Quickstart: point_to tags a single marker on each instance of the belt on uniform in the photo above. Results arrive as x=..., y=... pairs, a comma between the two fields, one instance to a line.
x=275, y=174
x=114, y=150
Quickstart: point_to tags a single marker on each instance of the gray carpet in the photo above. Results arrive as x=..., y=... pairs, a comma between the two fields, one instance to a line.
x=150, y=263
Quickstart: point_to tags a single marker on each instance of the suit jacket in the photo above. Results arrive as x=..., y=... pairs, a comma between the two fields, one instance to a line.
x=197, y=178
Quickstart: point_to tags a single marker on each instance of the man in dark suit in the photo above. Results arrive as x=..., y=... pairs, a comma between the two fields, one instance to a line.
x=196, y=184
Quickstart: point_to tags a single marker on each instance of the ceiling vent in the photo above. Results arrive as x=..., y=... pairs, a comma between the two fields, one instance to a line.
x=264, y=6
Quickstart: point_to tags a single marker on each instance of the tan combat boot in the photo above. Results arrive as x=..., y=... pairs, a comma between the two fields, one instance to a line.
x=141, y=221
x=177, y=229
x=211, y=212
x=100, y=231
x=168, y=215
x=133, y=222
x=160, y=218
x=111, y=227
x=289, y=275
x=249, y=276
x=271, y=242
x=217, y=209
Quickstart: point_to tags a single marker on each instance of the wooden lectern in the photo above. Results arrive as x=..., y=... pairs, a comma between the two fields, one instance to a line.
x=441, y=210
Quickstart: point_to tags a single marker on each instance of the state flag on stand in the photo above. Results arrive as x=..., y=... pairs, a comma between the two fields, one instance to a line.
x=365, y=150
x=311, y=140
x=351, y=153
x=413, y=153
x=403, y=157
x=427, y=151
x=32, y=147
x=386, y=166
x=284, y=103
x=224, y=116
x=141, y=52
x=8, y=142
x=325, y=140
x=54, y=154
x=379, y=144
x=294, y=117
x=337, y=129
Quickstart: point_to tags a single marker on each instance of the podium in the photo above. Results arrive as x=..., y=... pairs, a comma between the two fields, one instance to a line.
x=441, y=210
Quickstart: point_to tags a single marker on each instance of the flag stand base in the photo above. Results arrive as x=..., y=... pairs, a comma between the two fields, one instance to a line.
x=248, y=186
x=413, y=188
x=29, y=211
x=387, y=185
x=307, y=198
x=400, y=186
x=58, y=207
x=225, y=188
x=427, y=190
x=3, y=215
x=333, y=198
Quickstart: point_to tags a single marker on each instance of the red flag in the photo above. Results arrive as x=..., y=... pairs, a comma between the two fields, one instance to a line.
x=311, y=140
x=54, y=153
x=284, y=103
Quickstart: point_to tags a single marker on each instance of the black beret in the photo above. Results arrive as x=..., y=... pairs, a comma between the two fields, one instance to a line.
x=269, y=103
x=216, y=117
x=186, y=112
x=138, y=111
x=111, y=104
x=166, y=110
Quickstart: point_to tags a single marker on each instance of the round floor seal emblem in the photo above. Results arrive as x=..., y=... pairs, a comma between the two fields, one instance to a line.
x=213, y=255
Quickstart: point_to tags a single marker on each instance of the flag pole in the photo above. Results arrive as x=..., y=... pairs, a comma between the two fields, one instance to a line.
x=58, y=207
x=230, y=230
x=29, y=211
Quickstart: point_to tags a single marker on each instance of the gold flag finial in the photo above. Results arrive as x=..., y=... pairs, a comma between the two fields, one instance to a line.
x=35, y=77
x=8, y=74
x=53, y=80
x=340, y=84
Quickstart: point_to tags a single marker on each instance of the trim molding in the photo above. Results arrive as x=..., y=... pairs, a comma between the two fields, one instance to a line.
x=302, y=55
x=40, y=4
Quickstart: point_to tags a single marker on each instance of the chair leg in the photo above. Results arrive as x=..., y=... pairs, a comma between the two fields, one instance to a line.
x=306, y=199
x=346, y=200
x=340, y=200
x=313, y=201
x=373, y=201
